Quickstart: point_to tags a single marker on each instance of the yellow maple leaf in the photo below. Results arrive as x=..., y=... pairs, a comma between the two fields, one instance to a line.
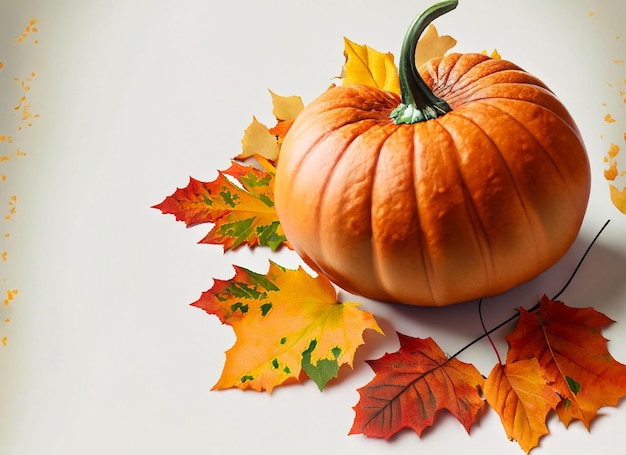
x=286, y=108
x=368, y=66
x=259, y=140
x=286, y=322
x=431, y=45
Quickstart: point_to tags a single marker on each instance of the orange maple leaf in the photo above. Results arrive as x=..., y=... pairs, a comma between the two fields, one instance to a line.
x=412, y=385
x=286, y=322
x=569, y=345
x=239, y=202
x=520, y=394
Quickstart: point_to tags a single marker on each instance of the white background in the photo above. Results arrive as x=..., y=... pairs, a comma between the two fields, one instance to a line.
x=104, y=353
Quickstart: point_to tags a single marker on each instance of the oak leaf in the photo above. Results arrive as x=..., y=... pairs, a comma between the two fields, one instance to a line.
x=286, y=322
x=569, y=345
x=412, y=385
x=239, y=202
x=520, y=394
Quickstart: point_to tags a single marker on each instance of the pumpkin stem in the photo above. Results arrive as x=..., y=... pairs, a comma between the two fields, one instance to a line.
x=419, y=103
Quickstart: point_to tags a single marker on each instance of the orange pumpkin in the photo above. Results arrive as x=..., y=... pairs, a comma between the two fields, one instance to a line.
x=431, y=202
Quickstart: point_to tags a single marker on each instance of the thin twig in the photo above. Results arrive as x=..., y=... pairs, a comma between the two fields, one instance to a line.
x=536, y=306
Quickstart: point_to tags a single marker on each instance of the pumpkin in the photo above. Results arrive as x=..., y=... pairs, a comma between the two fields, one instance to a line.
x=472, y=182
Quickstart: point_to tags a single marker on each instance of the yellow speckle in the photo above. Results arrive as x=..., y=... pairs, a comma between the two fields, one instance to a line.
x=4, y=341
x=4, y=255
x=619, y=62
x=609, y=119
x=7, y=320
x=4, y=158
x=613, y=150
x=1, y=65
x=591, y=13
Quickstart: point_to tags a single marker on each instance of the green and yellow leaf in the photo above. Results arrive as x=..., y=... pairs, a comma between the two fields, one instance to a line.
x=239, y=202
x=286, y=322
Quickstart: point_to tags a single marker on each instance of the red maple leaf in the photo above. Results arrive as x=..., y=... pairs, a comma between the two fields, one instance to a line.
x=412, y=385
x=239, y=202
x=568, y=343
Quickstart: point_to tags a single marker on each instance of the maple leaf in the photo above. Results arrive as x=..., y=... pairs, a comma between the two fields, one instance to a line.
x=240, y=207
x=285, y=322
x=431, y=45
x=368, y=66
x=569, y=345
x=412, y=385
x=259, y=140
x=520, y=395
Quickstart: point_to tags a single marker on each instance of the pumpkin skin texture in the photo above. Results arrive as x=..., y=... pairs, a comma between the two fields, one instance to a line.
x=456, y=208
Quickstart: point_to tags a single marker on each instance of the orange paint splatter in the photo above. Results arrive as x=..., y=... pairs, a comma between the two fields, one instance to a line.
x=22, y=111
x=613, y=150
x=618, y=198
x=609, y=119
x=611, y=173
x=10, y=296
x=29, y=30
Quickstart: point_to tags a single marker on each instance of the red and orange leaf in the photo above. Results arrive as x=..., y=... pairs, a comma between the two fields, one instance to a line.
x=412, y=385
x=239, y=202
x=520, y=394
x=569, y=345
x=285, y=322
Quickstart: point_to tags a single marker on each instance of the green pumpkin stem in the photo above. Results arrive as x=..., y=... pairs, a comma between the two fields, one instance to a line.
x=419, y=103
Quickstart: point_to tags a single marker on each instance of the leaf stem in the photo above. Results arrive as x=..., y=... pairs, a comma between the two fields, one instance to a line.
x=419, y=103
